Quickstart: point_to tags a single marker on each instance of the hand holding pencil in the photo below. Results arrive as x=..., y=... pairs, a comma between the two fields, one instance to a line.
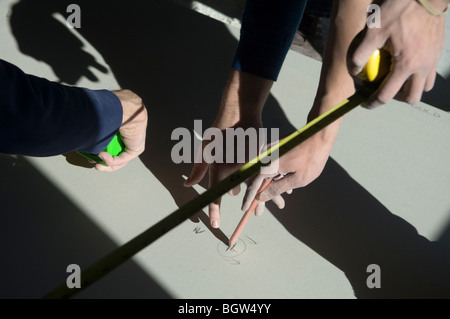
x=248, y=213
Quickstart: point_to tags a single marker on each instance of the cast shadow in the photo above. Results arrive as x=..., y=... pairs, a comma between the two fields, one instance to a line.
x=58, y=49
x=178, y=61
x=350, y=228
x=43, y=232
x=439, y=96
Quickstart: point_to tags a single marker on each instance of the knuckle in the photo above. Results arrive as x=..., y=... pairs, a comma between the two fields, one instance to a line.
x=409, y=63
x=356, y=61
x=133, y=97
x=137, y=100
x=273, y=191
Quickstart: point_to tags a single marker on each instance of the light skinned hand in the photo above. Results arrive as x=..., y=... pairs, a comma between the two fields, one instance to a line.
x=241, y=107
x=295, y=169
x=216, y=173
x=415, y=39
x=133, y=132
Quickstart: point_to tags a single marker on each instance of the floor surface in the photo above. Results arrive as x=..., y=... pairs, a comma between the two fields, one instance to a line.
x=382, y=199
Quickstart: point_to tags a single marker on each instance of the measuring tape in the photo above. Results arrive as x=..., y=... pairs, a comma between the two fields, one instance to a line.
x=129, y=249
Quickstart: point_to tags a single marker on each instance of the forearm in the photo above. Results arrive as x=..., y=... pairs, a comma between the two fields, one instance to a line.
x=243, y=99
x=268, y=27
x=336, y=84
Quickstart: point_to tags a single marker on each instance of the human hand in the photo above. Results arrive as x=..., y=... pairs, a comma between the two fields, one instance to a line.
x=414, y=39
x=241, y=107
x=218, y=170
x=295, y=169
x=133, y=132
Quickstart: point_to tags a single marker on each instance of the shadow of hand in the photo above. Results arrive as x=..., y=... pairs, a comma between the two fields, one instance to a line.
x=50, y=41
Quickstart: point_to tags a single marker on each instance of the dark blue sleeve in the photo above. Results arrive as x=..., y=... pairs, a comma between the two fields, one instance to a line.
x=267, y=30
x=43, y=118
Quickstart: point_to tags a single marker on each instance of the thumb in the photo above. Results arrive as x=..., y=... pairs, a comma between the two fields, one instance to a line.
x=197, y=173
x=361, y=49
x=277, y=187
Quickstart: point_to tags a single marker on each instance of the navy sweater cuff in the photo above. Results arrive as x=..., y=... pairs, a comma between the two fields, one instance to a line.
x=268, y=28
x=43, y=118
x=109, y=111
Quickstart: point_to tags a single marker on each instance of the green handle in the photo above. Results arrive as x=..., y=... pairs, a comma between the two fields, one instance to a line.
x=115, y=147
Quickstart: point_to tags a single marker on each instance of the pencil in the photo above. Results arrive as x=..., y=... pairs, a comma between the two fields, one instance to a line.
x=248, y=213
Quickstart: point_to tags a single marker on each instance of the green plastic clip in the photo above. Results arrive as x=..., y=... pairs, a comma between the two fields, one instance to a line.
x=114, y=148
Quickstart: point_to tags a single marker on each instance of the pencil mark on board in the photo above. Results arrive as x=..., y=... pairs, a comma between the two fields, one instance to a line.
x=198, y=230
x=234, y=261
x=252, y=241
x=230, y=253
x=232, y=248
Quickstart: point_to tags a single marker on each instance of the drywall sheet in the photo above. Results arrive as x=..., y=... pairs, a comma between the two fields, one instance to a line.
x=382, y=199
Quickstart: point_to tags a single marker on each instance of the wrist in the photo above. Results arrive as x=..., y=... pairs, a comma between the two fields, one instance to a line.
x=243, y=99
x=133, y=108
x=323, y=104
x=326, y=99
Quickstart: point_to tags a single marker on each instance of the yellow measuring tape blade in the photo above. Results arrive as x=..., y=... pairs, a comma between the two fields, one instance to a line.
x=129, y=249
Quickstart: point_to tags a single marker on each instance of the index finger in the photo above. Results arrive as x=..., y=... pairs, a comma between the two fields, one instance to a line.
x=214, y=213
x=362, y=48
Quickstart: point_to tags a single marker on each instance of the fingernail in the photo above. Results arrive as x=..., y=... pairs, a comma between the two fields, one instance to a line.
x=356, y=70
x=215, y=223
x=187, y=182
